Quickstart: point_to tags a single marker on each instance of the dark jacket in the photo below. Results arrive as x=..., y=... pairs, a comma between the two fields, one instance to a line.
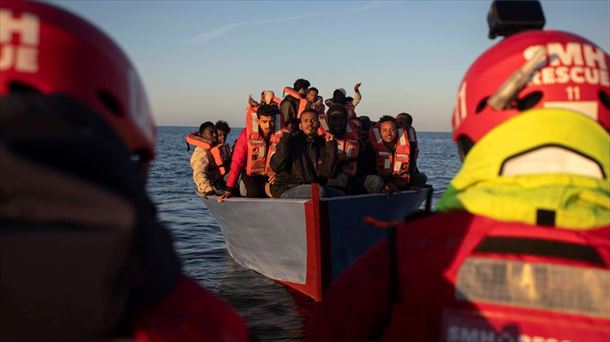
x=289, y=107
x=367, y=159
x=301, y=160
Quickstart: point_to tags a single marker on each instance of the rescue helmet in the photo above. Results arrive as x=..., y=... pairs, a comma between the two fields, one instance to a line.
x=51, y=51
x=531, y=69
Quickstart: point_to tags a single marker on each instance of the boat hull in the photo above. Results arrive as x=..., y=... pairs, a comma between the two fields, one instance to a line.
x=306, y=244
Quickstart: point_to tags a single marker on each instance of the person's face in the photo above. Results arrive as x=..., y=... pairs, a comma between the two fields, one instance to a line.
x=337, y=123
x=222, y=136
x=309, y=123
x=311, y=96
x=211, y=135
x=388, y=131
x=266, y=123
x=401, y=120
x=303, y=91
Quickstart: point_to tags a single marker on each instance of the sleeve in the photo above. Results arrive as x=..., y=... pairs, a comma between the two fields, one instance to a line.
x=200, y=162
x=356, y=306
x=287, y=111
x=357, y=98
x=366, y=160
x=238, y=160
x=330, y=160
x=281, y=157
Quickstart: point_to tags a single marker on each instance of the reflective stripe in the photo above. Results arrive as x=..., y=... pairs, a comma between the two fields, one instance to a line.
x=386, y=163
x=581, y=290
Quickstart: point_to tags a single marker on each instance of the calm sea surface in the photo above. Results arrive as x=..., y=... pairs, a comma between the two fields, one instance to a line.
x=271, y=311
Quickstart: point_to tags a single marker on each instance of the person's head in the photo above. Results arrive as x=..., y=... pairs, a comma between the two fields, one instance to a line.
x=207, y=130
x=404, y=120
x=223, y=129
x=388, y=129
x=265, y=117
x=267, y=96
x=568, y=71
x=301, y=85
x=337, y=120
x=75, y=129
x=309, y=123
x=312, y=94
x=339, y=96
x=106, y=81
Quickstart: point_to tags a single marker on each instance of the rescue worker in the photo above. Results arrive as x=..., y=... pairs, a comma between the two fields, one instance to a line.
x=294, y=103
x=209, y=161
x=524, y=226
x=252, y=152
x=392, y=152
x=405, y=120
x=303, y=157
x=83, y=254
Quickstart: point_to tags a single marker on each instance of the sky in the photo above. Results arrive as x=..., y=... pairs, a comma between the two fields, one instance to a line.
x=200, y=60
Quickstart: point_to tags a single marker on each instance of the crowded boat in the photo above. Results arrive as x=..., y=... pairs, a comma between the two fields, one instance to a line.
x=288, y=144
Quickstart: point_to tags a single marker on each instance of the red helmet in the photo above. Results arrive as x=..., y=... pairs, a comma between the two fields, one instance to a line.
x=572, y=74
x=52, y=51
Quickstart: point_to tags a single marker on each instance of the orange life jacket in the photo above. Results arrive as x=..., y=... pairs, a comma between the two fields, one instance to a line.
x=391, y=163
x=259, y=153
x=221, y=153
x=302, y=102
x=348, y=147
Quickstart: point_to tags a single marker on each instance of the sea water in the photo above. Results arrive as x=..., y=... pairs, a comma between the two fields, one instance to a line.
x=272, y=311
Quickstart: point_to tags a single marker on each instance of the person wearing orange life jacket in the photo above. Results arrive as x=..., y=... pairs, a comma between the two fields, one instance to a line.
x=314, y=100
x=392, y=153
x=251, y=154
x=294, y=103
x=350, y=179
x=350, y=103
x=223, y=130
x=405, y=120
x=209, y=161
x=517, y=209
x=267, y=97
x=76, y=140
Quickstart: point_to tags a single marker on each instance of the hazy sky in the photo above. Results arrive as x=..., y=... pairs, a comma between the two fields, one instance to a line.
x=199, y=60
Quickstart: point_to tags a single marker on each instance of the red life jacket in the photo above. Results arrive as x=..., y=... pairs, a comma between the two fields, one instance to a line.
x=259, y=151
x=296, y=95
x=348, y=147
x=459, y=277
x=391, y=163
x=221, y=153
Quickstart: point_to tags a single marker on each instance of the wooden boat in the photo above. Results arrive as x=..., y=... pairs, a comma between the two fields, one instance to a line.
x=306, y=244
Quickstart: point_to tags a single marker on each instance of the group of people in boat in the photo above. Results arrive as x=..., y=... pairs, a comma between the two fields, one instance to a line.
x=289, y=144
x=518, y=250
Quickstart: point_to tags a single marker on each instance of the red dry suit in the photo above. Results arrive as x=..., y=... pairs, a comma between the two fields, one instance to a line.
x=459, y=277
